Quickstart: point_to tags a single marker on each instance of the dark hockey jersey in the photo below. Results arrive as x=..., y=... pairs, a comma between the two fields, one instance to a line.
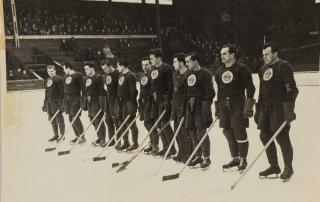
x=54, y=88
x=179, y=89
x=94, y=86
x=127, y=89
x=277, y=83
x=200, y=85
x=145, y=85
x=73, y=84
x=161, y=80
x=111, y=82
x=234, y=80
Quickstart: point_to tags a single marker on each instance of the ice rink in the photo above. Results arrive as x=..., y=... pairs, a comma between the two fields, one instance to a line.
x=29, y=174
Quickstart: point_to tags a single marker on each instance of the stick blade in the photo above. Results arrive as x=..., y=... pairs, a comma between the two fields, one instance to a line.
x=115, y=165
x=97, y=158
x=232, y=187
x=170, y=177
x=63, y=153
x=122, y=168
x=50, y=149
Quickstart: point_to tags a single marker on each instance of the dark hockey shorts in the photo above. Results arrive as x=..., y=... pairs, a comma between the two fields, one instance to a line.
x=270, y=116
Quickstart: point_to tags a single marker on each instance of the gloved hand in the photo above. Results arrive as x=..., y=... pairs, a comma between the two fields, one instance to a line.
x=132, y=109
x=288, y=111
x=83, y=103
x=217, y=111
x=166, y=101
x=257, y=113
x=206, y=113
x=248, y=107
x=44, y=107
x=102, y=103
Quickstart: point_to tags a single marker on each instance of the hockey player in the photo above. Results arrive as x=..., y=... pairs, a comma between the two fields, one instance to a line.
x=160, y=93
x=200, y=94
x=95, y=99
x=53, y=102
x=145, y=106
x=73, y=89
x=127, y=104
x=277, y=95
x=179, y=103
x=111, y=78
x=234, y=104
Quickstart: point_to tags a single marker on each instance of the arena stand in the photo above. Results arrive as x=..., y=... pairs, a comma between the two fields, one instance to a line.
x=129, y=31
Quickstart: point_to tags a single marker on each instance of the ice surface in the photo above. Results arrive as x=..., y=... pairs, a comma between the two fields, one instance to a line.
x=30, y=174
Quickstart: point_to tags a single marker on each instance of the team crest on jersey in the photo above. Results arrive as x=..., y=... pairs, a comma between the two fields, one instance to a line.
x=154, y=74
x=144, y=80
x=68, y=80
x=121, y=79
x=49, y=83
x=227, y=77
x=108, y=79
x=88, y=82
x=192, y=80
x=267, y=75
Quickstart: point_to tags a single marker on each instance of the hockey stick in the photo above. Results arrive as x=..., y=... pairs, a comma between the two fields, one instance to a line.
x=126, y=163
x=67, y=130
x=169, y=148
x=177, y=175
x=80, y=136
x=148, y=135
x=119, y=140
x=258, y=156
x=99, y=157
x=159, y=132
x=54, y=116
x=98, y=128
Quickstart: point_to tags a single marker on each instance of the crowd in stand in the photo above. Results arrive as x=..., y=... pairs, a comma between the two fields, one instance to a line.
x=18, y=74
x=47, y=19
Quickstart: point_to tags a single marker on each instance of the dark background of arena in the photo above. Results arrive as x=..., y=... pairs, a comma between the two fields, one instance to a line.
x=186, y=25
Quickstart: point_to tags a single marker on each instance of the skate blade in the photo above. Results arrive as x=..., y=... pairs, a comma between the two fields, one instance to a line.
x=63, y=153
x=230, y=170
x=170, y=177
x=115, y=165
x=286, y=180
x=122, y=168
x=99, y=158
x=194, y=167
x=50, y=149
x=206, y=168
x=241, y=171
x=270, y=177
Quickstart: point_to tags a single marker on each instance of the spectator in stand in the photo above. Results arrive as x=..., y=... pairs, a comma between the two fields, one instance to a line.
x=11, y=75
x=25, y=75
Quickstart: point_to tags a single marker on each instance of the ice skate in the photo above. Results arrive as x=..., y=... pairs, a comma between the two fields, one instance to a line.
x=205, y=164
x=242, y=165
x=195, y=161
x=82, y=140
x=96, y=143
x=148, y=149
x=270, y=173
x=233, y=163
x=132, y=147
x=54, y=138
x=74, y=141
x=286, y=174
